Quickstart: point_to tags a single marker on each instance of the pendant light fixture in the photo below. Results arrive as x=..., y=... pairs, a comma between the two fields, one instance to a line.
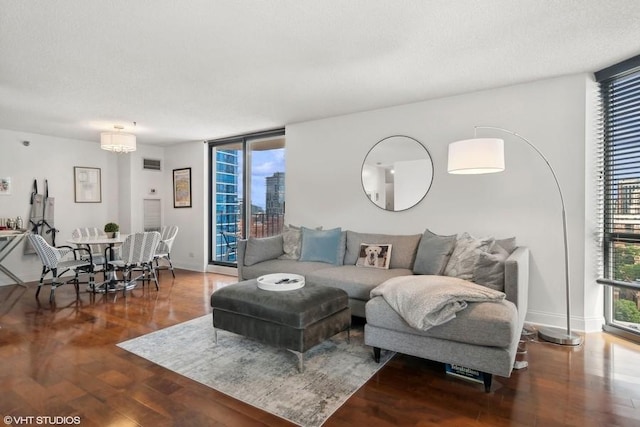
x=118, y=141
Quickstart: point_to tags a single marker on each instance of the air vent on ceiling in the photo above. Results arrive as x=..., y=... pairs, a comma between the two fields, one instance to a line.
x=151, y=164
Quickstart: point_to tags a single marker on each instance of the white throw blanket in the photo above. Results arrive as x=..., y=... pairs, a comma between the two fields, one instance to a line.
x=425, y=301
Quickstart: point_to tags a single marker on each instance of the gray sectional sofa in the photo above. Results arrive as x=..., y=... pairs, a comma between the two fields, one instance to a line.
x=484, y=336
x=257, y=257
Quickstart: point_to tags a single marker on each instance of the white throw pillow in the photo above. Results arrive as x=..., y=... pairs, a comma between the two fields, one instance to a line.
x=466, y=254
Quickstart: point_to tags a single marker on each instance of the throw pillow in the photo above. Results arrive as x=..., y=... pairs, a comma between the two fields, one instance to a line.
x=342, y=248
x=292, y=241
x=433, y=253
x=321, y=245
x=508, y=244
x=291, y=237
x=376, y=255
x=466, y=254
x=489, y=270
x=262, y=249
x=404, y=247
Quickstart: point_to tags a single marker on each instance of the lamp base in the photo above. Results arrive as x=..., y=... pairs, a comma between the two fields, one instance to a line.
x=559, y=336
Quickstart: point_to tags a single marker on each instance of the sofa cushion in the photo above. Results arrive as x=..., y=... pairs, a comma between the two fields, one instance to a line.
x=508, y=244
x=282, y=266
x=263, y=249
x=321, y=245
x=356, y=281
x=466, y=254
x=491, y=324
x=404, y=247
x=291, y=242
x=433, y=253
x=489, y=270
x=376, y=255
x=342, y=248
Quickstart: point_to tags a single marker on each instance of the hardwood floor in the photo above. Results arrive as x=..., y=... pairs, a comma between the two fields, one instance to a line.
x=62, y=361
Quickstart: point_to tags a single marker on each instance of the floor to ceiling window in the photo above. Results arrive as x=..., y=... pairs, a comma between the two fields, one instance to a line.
x=620, y=89
x=246, y=191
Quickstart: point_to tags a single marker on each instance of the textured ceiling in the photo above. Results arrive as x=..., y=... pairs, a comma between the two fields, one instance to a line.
x=199, y=69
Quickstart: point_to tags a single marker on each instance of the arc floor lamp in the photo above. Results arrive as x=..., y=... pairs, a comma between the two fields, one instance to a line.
x=486, y=155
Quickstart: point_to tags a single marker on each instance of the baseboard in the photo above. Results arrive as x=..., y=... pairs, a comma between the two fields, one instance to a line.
x=188, y=266
x=29, y=276
x=222, y=269
x=578, y=324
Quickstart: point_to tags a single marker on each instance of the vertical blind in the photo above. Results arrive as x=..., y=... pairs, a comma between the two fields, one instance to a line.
x=152, y=214
x=620, y=96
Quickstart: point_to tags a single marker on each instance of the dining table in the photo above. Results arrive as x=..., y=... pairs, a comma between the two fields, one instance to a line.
x=111, y=279
x=9, y=240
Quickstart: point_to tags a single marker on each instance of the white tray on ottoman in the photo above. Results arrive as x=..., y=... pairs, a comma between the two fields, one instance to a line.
x=280, y=282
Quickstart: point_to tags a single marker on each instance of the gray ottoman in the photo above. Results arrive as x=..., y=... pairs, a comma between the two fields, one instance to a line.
x=296, y=320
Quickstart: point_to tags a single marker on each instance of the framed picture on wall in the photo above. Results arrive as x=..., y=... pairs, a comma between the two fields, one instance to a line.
x=87, y=185
x=182, y=188
x=5, y=186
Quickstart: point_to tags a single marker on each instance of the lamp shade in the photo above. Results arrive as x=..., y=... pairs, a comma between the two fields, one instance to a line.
x=118, y=142
x=476, y=156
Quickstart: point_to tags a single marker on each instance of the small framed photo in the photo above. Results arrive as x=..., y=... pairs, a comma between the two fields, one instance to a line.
x=182, y=188
x=5, y=186
x=376, y=255
x=87, y=185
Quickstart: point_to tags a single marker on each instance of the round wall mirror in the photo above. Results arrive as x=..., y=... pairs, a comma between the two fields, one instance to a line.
x=397, y=173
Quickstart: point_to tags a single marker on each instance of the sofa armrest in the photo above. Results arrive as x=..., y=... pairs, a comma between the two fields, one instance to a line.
x=516, y=280
x=241, y=250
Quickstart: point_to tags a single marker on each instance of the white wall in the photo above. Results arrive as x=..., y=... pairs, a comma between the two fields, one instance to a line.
x=124, y=218
x=522, y=201
x=190, y=249
x=53, y=159
x=137, y=184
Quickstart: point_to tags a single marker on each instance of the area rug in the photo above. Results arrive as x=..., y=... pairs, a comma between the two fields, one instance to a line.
x=263, y=376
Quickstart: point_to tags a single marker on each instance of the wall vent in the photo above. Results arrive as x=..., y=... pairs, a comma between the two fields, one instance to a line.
x=151, y=164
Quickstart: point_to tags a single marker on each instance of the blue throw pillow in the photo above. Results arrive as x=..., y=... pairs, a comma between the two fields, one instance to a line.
x=321, y=245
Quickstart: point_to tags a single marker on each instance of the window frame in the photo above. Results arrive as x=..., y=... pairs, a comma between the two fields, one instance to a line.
x=245, y=142
x=608, y=206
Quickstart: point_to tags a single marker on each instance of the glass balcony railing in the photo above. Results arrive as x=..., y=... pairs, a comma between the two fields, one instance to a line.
x=229, y=228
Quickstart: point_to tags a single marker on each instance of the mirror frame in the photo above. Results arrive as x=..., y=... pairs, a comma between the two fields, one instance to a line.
x=426, y=191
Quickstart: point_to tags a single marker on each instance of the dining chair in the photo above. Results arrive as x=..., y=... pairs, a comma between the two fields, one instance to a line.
x=98, y=252
x=56, y=260
x=168, y=235
x=137, y=254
